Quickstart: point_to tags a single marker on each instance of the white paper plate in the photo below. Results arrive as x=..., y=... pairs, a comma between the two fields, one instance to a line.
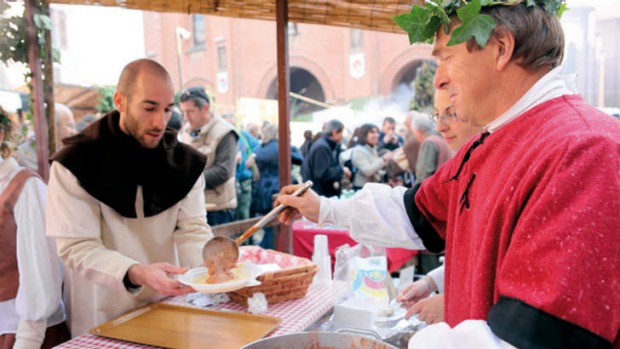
x=246, y=276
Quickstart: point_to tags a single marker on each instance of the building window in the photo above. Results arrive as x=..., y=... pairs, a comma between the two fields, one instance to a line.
x=222, y=62
x=198, y=30
x=292, y=29
x=357, y=38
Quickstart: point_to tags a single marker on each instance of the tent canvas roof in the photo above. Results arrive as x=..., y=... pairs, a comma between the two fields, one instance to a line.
x=362, y=14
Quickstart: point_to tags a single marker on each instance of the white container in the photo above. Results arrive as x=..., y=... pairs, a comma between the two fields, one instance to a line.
x=322, y=259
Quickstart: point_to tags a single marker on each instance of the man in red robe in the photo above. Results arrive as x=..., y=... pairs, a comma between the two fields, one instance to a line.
x=527, y=212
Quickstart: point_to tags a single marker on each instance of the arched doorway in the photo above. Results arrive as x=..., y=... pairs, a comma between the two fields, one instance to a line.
x=303, y=83
x=415, y=81
x=407, y=74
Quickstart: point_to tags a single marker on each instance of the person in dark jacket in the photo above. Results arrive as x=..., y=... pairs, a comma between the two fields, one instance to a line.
x=305, y=148
x=269, y=183
x=322, y=166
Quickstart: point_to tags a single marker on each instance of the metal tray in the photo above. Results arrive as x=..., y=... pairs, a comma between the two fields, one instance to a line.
x=171, y=326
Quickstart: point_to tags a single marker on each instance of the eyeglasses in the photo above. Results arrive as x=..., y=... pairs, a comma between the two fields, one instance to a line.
x=448, y=116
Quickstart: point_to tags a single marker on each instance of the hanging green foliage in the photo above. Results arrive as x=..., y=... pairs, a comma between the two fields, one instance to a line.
x=13, y=46
x=423, y=98
x=106, y=101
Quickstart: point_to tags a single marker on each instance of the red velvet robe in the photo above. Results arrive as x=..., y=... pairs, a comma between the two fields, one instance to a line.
x=535, y=239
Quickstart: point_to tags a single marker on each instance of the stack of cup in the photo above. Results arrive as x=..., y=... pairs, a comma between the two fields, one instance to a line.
x=322, y=259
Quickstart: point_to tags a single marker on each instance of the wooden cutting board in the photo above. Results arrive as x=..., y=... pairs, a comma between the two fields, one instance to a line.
x=171, y=326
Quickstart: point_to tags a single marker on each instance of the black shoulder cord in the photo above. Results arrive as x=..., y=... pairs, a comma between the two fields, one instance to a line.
x=464, y=200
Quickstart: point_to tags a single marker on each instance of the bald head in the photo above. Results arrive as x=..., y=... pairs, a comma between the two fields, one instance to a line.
x=133, y=70
x=64, y=122
x=144, y=98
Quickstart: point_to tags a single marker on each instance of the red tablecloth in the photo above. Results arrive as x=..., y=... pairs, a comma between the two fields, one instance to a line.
x=303, y=243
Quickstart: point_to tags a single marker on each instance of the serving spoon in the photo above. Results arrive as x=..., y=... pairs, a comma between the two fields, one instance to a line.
x=220, y=254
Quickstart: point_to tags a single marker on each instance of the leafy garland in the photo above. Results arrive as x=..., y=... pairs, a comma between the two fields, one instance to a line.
x=14, y=48
x=4, y=118
x=423, y=22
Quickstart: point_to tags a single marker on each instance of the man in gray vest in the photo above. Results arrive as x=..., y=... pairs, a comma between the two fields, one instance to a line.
x=217, y=139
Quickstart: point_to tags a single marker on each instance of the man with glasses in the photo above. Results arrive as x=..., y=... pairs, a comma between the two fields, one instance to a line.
x=217, y=139
x=433, y=151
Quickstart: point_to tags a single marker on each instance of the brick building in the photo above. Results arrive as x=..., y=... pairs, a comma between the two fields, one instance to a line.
x=235, y=58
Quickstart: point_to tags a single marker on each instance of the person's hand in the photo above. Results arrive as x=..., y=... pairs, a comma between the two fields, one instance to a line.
x=347, y=172
x=429, y=310
x=388, y=156
x=388, y=137
x=156, y=277
x=418, y=290
x=308, y=204
x=250, y=161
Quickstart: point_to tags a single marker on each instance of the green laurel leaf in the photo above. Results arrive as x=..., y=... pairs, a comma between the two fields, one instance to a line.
x=441, y=15
x=468, y=12
x=416, y=24
x=479, y=28
x=423, y=22
x=561, y=10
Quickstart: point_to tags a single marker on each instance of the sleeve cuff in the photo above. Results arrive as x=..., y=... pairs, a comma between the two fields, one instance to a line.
x=334, y=211
x=525, y=326
x=429, y=236
x=437, y=275
x=30, y=334
x=129, y=286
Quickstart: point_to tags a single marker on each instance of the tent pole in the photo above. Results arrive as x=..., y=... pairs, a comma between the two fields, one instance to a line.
x=284, y=137
x=37, y=96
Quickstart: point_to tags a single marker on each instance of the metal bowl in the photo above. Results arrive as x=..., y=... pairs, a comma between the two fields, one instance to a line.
x=319, y=340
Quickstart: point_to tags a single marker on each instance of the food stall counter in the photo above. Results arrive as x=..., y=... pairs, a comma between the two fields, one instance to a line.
x=296, y=315
x=303, y=243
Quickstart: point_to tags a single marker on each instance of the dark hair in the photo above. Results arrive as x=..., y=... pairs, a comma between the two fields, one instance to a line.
x=389, y=119
x=539, y=39
x=6, y=127
x=196, y=94
x=317, y=136
x=363, y=132
x=354, y=137
x=308, y=135
x=331, y=126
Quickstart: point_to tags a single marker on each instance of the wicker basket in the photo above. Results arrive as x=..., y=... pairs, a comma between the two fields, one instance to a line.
x=291, y=282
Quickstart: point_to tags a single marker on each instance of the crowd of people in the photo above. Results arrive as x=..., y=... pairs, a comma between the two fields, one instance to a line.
x=490, y=179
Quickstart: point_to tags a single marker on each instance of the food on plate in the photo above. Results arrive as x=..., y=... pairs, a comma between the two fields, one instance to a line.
x=385, y=312
x=220, y=258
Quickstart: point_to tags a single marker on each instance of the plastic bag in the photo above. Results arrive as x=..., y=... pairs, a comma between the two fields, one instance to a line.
x=364, y=270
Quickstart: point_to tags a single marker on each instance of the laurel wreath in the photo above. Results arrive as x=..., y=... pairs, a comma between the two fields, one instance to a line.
x=423, y=22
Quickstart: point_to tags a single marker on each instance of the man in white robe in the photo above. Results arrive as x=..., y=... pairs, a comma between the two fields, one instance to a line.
x=126, y=204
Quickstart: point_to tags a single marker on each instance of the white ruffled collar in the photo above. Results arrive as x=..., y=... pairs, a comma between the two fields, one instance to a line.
x=553, y=84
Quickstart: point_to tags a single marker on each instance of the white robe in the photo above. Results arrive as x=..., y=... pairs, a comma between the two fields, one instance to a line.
x=32, y=310
x=98, y=246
